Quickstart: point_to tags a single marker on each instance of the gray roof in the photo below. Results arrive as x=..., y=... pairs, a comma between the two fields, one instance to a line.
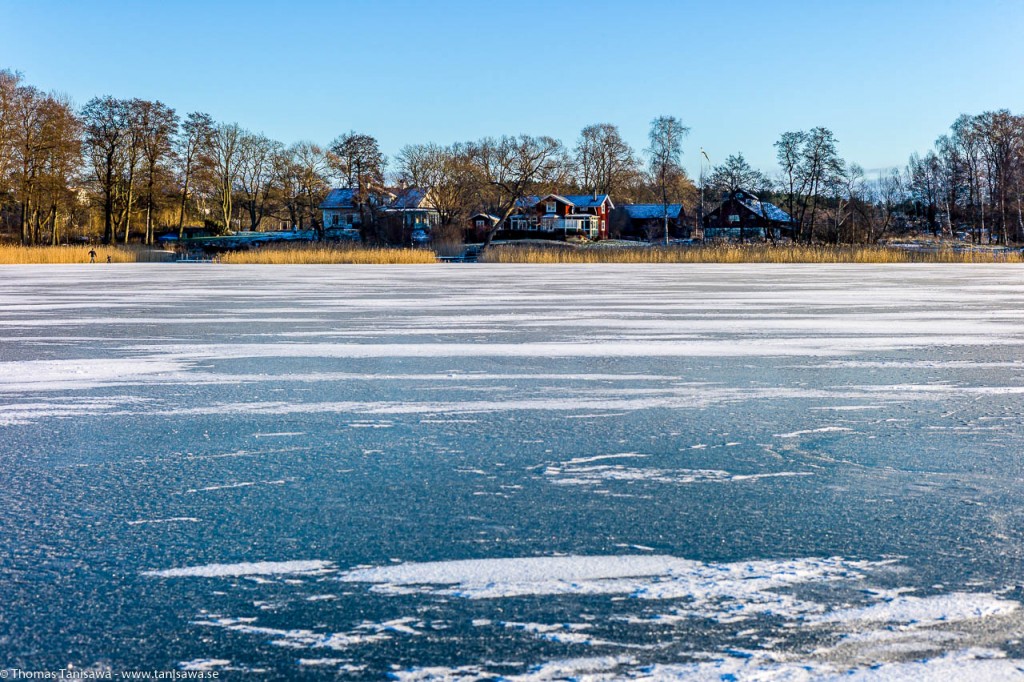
x=339, y=199
x=651, y=211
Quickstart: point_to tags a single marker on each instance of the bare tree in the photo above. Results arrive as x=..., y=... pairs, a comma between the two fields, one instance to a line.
x=809, y=163
x=359, y=162
x=311, y=164
x=510, y=167
x=789, y=153
x=9, y=83
x=29, y=147
x=666, y=153
x=924, y=178
x=224, y=148
x=193, y=147
x=449, y=175
x=256, y=174
x=603, y=161
x=105, y=121
x=158, y=124
x=735, y=174
x=967, y=139
x=59, y=165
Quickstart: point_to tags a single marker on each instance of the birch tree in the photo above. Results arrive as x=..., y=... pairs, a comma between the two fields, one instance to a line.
x=666, y=153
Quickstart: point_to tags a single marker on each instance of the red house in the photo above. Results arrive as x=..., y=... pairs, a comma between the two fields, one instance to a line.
x=572, y=215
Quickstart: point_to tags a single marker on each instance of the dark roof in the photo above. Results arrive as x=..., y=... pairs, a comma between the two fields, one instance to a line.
x=579, y=200
x=587, y=200
x=762, y=209
x=339, y=198
x=651, y=211
x=413, y=197
x=766, y=210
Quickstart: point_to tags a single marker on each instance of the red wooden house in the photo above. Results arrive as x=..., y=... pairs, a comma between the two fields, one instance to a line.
x=571, y=215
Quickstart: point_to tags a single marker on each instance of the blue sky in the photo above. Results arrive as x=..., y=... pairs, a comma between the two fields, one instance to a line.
x=886, y=77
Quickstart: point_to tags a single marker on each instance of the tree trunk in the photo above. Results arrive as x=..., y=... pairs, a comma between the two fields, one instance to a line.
x=25, y=234
x=54, y=234
x=148, y=240
x=184, y=199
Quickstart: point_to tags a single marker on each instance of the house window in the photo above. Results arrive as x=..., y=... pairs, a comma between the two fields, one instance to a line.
x=549, y=206
x=734, y=218
x=348, y=218
x=479, y=223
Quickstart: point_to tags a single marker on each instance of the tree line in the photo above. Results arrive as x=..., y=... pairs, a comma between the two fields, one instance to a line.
x=129, y=169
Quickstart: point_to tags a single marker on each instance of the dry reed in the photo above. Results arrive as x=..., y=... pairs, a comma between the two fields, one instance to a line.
x=320, y=255
x=14, y=254
x=734, y=253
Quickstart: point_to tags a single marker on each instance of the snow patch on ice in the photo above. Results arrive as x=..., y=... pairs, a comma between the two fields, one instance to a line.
x=204, y=664
x=575, y=472
x=922, y=611
x=173, y=519
x=717, y=590
x=824, y=429
x=245, y=569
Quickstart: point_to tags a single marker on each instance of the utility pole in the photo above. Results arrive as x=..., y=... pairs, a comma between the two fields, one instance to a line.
x=704, y=155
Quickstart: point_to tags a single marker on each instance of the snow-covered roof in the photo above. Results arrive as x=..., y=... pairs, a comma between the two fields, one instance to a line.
x=651, y=211
x=339, y=198
x=529, y=201
x=413, y=197
x=774, y=213
x=486, y=216
x=558, y=197
x=588, y=200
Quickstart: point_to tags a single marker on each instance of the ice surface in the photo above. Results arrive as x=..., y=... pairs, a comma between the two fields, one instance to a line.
x=480, y=472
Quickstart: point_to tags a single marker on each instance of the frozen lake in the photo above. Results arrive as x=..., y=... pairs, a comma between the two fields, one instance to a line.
x=471, y=472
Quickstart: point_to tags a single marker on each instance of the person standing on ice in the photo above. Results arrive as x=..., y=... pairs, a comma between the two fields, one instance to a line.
x=92, y=255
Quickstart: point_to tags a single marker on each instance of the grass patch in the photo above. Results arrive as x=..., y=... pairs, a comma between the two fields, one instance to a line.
x=328, y=255
x=735, y=253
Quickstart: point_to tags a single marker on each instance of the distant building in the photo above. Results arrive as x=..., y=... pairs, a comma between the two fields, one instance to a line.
x=341, y=207
x=480, y=224
x=414, y=207
x=743, y=215
x=647, y=221
x=561, y=216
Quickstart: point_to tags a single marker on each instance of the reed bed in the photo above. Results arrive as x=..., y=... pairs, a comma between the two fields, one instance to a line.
x=328, y=255
x=15, y=254
x=734, y=253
